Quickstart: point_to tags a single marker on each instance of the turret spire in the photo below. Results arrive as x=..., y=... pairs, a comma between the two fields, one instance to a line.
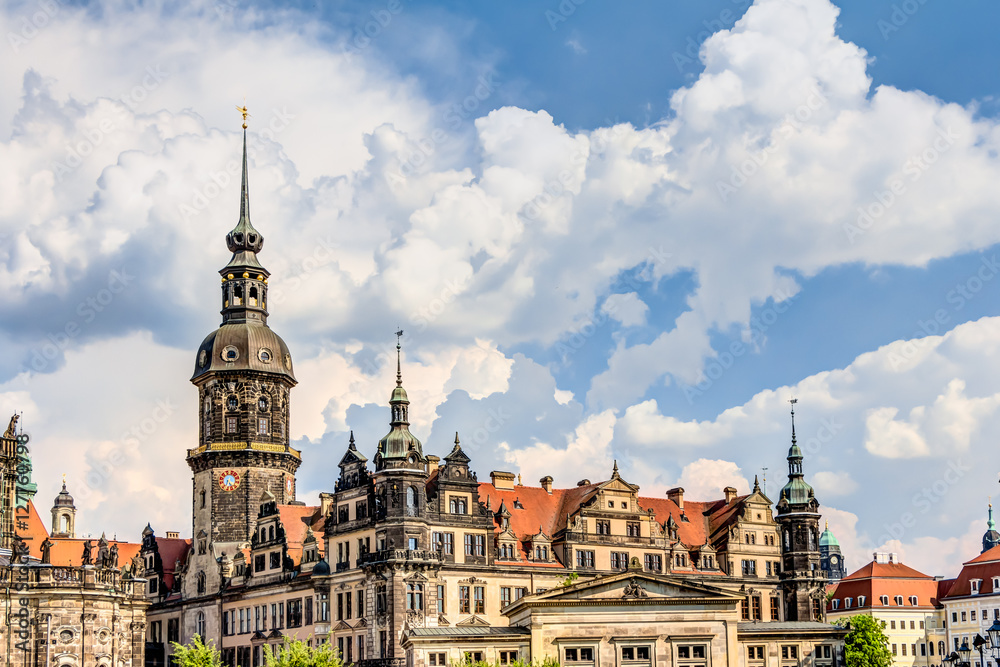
x=793, y=401
x=399, y=365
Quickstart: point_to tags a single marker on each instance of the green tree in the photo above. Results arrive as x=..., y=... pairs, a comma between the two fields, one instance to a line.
x=198, y=654
x=866, y=645
x=297, y=654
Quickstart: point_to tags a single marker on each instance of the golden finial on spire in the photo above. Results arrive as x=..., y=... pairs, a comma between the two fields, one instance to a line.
x=243, y=110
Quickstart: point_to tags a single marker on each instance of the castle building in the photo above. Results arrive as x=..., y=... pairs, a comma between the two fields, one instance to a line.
x=972, y=601
x=831, y=560
x=64, y=601
x=907, y=602
x=991, y=537
x=413, y=560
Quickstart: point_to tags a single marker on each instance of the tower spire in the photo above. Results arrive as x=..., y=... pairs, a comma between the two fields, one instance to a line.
x=399, y=366
x=793, y=401
x=990, y=523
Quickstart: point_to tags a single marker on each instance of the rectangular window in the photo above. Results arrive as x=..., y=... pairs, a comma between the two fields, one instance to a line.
x=755, y=652
x=440, y=598
x=973, y=614
x=619, y=560
x=294, y=619
x=654, y=562
x=923, y=649
x=768, y=568
x=902, y=648
x=603, y=527
x=894, y=650
x=259, y=563
x=480, y=599
x=749, y=568
x=775, y=609
x=361, y=603
x=508, y=657
x=789, y=652
x=584, y=558
x=347, y=605
x=340, y=606
x=892, y=625
x=230, y=424
x=468, y=544
x=755, y=608
x=520, y=592
x=632, y=529
x=275, y=561
x=963, y=617
x=480, y=544
x=308, y=611
x=464, y=606
x=504, y=596
x=262, y=426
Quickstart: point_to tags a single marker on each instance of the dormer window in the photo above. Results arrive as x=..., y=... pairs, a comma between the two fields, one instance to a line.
x=899, y=600
x=975, y=585
x=996, y=584
x=847, y=602
x=913, y=600
x=884, y=600
x=835, y=603
x=861, y=600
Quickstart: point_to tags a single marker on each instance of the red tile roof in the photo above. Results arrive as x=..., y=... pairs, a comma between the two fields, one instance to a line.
x=173, y=554
x=983, y=567
x=892, y=580
x=64, y=551
x=296, y=520
x=550, y=511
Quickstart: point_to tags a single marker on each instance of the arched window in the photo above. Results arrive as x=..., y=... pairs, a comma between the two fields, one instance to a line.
x=940, y=648
x=201, y=587
x=253, y=295
x=788, y=540
x=270, y=533
x=238, y=295
x=203, y=498
x=263, y=535
x=411, y=500
x=199, y=624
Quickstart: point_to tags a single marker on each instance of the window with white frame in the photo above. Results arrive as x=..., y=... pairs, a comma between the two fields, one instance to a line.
x=578, y=655
x=899, y=600
x=975, y=585
x=835, y=603
x=884, y=600
x=848, y=602
x=637, y=654
x=913, y=600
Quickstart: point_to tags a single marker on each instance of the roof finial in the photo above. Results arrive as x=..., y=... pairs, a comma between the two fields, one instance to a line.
x=243, y=110
x=399, y=367
x=245, y=187
x=614, y=471
x=756, y=485
x=456, y=438
x=793, y=401
x=350, y=444
x=991, y=524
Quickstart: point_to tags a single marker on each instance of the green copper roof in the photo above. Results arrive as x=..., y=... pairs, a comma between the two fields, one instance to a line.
x=827, y=539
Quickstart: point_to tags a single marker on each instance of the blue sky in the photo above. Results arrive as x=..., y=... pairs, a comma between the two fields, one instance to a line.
x=610, y=232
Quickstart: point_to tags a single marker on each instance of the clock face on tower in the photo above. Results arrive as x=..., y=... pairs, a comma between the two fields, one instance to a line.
x=229, y=480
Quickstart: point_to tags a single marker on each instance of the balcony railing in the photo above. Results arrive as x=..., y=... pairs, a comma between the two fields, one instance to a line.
x=630, y=540
x=399, y=556
x=45, y=576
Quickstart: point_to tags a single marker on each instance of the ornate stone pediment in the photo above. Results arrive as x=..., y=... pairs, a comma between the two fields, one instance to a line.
x=473, y=621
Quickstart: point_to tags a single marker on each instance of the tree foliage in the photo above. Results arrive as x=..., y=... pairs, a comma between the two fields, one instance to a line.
x=197, y=654
x=866, y=645
x=298, y=654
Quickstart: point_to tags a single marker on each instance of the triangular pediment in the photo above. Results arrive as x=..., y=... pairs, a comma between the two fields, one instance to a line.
x=416, y=576
x=638, y=586
x=342, y=626
x=473, y=621
x=618, y=484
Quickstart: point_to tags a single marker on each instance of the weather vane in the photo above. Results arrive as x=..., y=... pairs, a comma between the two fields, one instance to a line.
x=243, y=110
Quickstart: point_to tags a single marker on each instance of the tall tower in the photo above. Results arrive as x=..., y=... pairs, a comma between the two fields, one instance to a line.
x=798, y=517
x=831, y=560
x=243, y=372
x=991, y=537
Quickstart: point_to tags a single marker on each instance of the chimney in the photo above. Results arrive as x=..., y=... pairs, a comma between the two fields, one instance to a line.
x=173, y=535
x=730, y=494
x=546, y=483
x=433, y=462
x=502, y=480
x=676, y=495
